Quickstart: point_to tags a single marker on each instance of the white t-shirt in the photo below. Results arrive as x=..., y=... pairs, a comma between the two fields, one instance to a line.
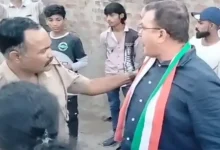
x=210, y=54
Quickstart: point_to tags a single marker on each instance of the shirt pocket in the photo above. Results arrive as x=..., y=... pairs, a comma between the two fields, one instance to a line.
x=110, y=49
x=29, y=16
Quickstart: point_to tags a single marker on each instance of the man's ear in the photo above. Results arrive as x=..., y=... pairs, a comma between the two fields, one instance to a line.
x=162, y=35
x=14, y=55
x=121, y=16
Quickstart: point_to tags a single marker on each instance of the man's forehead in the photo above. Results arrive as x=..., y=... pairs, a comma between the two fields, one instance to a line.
x=35, y=34
x=142, y=12
x=55, y=16
x=147, y=17
x=36, y=31
x=39, y=38
x=204, y=21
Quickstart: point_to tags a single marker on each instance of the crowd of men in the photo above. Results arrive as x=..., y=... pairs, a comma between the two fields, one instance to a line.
x=170, y=81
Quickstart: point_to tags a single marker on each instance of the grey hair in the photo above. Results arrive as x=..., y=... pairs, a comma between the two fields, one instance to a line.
x=19, y=48
x=150, y=1
x=172, y=16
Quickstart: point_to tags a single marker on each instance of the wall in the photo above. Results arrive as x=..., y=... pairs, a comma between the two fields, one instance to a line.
x=85, y=17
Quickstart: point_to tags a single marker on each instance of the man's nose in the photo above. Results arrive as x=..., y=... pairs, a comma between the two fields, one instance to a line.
x=139, y=31
x=49, y=53
x=197, y=26
x=54, y=23
x=108, y=18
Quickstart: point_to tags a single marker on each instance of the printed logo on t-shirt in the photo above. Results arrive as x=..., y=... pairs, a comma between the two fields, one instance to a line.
x=63, y=46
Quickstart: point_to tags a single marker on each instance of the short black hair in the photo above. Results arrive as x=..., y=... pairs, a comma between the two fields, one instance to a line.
x=55, y=10
x=172, y=16
x=116, y=8
x=12, y=32
x=26, y=112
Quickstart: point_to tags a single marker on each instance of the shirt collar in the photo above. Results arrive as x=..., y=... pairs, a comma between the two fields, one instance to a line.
x=126, y=29
x=187, y=57
x=8, y=73
x=11, y=76
x=24, y=4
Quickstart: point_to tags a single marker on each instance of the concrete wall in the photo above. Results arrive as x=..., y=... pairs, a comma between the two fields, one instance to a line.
x=85, y=17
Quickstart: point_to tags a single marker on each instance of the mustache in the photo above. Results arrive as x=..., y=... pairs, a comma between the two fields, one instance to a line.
x=49, y=61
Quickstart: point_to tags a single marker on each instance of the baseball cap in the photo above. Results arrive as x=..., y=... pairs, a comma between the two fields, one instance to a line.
x=211, y=14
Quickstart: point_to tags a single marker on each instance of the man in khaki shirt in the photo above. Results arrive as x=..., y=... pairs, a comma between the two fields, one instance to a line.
x=26, y=47
x=32, y=9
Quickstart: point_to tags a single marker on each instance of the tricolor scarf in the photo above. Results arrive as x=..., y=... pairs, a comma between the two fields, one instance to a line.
x=148, y=130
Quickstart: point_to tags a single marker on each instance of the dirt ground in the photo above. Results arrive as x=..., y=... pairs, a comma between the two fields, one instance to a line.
x=92, y=129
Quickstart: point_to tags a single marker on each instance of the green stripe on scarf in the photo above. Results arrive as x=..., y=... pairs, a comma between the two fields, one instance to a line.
x=138, y=132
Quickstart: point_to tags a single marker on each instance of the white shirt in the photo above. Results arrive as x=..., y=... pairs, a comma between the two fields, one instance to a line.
x=210, y=54
x=28, y=9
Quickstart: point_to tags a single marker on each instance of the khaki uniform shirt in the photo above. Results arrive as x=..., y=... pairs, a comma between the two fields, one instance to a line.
x=57, y=80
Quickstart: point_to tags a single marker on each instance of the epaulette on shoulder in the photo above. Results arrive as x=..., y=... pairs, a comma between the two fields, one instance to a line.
x=55, y=61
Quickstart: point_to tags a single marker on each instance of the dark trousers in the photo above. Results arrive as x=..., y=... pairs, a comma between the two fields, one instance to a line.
x=114, y=102
x=73, y=122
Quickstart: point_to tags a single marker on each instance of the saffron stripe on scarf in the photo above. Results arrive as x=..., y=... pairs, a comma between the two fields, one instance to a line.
x=144, y=130
x=123, y=111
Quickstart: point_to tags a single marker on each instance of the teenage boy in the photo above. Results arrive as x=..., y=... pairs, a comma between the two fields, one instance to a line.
x=124, y=53
x=68, y=49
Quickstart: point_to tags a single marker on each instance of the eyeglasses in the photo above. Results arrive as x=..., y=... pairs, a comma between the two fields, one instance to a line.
x=141, y=28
